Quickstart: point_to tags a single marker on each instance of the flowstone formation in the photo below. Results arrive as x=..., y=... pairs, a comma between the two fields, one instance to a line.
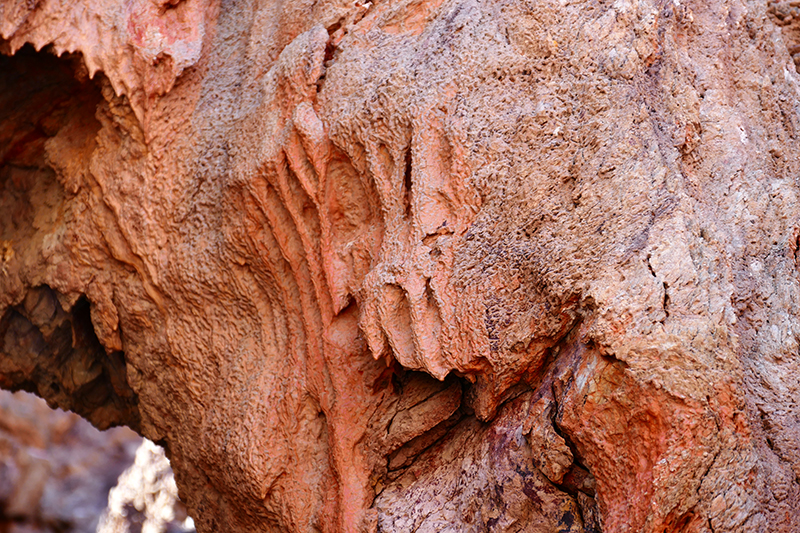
x=424, y=265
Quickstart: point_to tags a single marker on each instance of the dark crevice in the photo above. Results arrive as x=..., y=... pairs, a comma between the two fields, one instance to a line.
x=766, y=427
x=612, y=357
x=406, y=455
x=797, y=251
x=38, y=93
x=57, y=355
x=164, y=443
x=407, y=184
x=578, y=478
x=330, y=52
x=330, y=48
x=650, y=267
x=167, y=5
x=578, y=482
x=417, y=396
x=665, y=286
x=420, y=406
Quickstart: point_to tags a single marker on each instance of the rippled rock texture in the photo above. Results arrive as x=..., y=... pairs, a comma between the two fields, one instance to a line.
x=421, y=265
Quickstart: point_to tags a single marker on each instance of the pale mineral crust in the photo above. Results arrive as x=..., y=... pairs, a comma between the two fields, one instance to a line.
x=145, y=498
x=416, y=265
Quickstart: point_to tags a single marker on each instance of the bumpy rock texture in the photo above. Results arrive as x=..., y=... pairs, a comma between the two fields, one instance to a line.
x=417, y=265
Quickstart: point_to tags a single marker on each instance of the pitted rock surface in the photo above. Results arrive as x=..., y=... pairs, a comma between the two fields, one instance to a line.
x=432, y=265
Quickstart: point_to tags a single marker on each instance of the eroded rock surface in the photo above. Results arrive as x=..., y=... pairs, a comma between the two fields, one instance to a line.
x=55, y=468
x=417, y=265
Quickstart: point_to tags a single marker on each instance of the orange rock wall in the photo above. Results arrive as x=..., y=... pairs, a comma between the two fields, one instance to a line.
x=406, y=266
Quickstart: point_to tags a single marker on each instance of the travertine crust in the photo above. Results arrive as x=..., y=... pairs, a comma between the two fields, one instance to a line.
x=466, y=265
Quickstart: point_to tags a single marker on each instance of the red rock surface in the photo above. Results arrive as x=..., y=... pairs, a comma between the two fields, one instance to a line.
x=416, y=265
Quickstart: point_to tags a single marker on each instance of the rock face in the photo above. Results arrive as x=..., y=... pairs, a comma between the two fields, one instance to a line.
x=467, y=265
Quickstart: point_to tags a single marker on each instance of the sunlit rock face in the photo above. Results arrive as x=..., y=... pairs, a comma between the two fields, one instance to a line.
x=409, y=266
x=145, y=498
x=60, y=474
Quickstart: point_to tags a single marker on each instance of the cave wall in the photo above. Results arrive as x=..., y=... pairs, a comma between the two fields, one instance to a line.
x=417, y=265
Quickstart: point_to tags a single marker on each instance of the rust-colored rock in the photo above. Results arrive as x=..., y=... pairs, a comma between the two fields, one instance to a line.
x=417, y=265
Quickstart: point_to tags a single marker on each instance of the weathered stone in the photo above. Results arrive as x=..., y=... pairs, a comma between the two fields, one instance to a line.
x=550, y=452
x=260, y=232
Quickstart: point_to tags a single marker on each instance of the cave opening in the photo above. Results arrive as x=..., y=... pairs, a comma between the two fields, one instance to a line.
x=58, y=471
x=48, y=343
x=59, y=474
